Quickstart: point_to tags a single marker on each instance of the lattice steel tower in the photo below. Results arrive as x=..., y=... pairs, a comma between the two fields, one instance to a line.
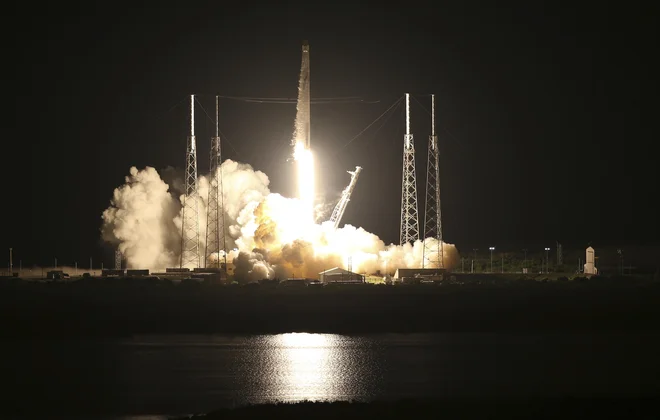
x=215, y=226
x=433, y=253
x=117, y=259
x=560, y=254
x=409, y=219
x=190, y=216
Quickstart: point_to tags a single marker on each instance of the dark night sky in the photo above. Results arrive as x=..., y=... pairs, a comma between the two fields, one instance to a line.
x=546, y=115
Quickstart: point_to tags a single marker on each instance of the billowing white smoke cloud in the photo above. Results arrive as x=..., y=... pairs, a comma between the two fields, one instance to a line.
x=253, y=266
x=140, y=220
x=243, y=189
x=265, y=229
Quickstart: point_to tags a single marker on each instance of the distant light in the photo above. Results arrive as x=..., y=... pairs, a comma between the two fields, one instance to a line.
x=547, y=249
x=492, y=248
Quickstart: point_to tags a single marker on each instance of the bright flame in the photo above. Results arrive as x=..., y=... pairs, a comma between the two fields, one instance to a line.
x=305, y=162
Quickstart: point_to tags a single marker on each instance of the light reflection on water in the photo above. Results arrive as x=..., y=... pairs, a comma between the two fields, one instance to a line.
x=302, y=366
x=302, y=360
x=182, y=374
x=287, y=367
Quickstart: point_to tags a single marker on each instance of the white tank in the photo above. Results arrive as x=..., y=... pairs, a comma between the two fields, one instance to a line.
x=590, y=265
x=590, y=256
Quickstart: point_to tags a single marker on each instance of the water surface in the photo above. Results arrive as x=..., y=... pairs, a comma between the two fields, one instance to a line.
x=179, y=374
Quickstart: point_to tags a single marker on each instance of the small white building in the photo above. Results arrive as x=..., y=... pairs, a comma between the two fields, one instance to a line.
x=590, y=265
x=339, y=275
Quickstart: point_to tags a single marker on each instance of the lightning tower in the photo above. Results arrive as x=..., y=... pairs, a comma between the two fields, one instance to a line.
x=190, y=217
x=433, y=252
x=409, y=219
x=215, y=232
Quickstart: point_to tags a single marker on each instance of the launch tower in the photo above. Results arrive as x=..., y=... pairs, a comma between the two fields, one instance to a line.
x=215, y=232
x=190, y=216
x=433, y=252
x=340, y=208
x=409, y=218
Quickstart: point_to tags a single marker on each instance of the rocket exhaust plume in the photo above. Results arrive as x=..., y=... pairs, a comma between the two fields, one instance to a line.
x=302, y=142
x=265, y=238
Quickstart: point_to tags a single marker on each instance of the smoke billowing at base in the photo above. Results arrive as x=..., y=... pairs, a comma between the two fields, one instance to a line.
x=265, y=238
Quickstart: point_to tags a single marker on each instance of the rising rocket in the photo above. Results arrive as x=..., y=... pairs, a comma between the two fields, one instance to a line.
x=302, y=134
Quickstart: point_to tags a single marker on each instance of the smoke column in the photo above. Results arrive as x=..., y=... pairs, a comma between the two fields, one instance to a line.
x=265, y=237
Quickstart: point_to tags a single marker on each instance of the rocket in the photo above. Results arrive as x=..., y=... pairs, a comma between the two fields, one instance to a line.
x=302, y=134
